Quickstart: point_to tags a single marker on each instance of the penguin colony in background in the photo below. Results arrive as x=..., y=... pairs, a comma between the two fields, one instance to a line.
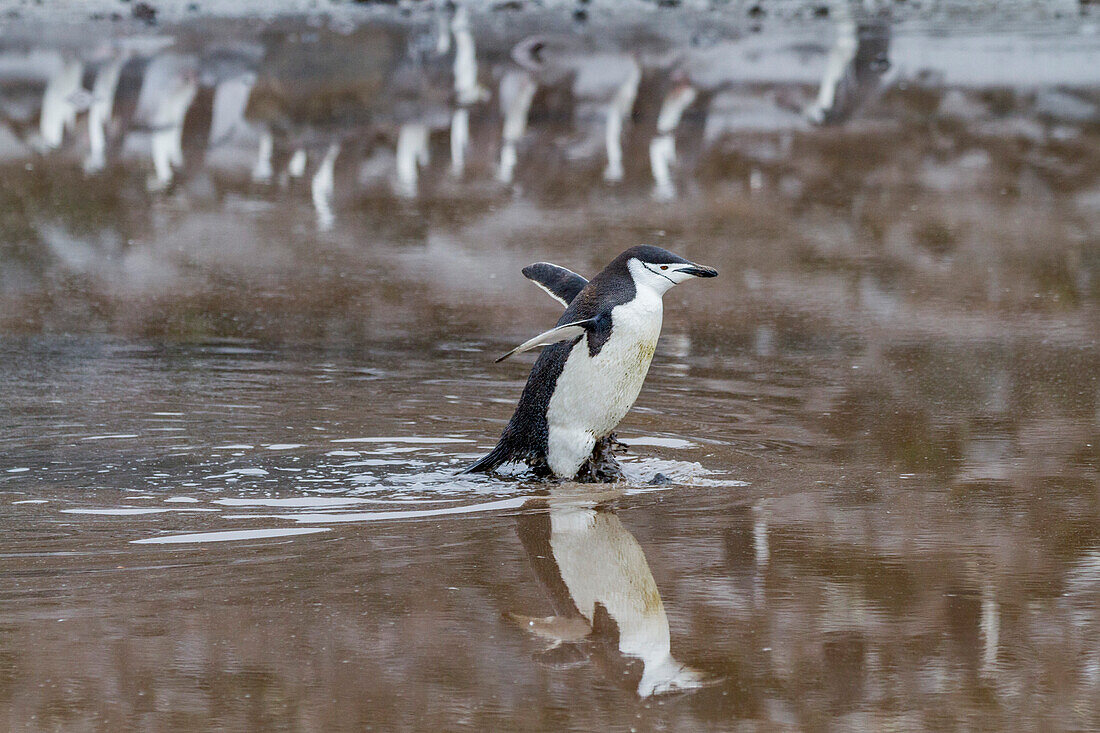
x=593, y=366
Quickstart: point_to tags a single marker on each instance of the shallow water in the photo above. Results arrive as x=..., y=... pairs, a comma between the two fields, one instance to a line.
x=276, y=539
x=233, y=406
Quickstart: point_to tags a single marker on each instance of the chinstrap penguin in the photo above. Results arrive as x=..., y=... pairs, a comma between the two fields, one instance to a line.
x=595, y=360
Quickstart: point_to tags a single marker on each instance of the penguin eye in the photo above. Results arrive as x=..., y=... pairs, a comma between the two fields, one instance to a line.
x=664, y=267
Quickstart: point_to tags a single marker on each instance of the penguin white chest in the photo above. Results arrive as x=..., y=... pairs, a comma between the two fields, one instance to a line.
x=594, y=393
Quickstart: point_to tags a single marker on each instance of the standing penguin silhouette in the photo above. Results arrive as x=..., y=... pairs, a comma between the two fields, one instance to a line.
x=596, y=359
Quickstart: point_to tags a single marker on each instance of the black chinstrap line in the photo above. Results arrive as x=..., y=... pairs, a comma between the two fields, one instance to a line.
x=666, y=277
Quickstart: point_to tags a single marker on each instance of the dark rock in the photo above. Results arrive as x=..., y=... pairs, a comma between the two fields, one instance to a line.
x=660, y=480
x=580, y=15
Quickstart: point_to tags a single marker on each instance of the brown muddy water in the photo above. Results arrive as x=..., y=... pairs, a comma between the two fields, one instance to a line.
x=254, y=273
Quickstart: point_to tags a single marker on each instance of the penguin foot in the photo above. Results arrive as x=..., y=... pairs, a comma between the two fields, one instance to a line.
x=539, y=467
x=613, y=444
x=601, y=467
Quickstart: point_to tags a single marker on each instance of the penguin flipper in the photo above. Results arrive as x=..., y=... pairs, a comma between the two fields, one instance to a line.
x=554, y=335
x=559, y=283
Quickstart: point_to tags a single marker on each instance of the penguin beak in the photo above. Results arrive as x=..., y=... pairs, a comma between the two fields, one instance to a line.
x=699, y=271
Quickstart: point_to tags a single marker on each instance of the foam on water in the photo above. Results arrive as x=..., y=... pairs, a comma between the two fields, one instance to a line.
x=240, y=472
x=659, y=442
x=404, y=439
x=319, y=502
x=111, y=437
x=229, y=535
x=127, y=511
x=310, y=485
x=326, y=518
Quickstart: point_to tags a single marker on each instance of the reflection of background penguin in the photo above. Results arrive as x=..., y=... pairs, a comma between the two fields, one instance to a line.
x=315, y=91
x=595, y=361
x=854, y=69
x=168, y=88
x=603, y=82
x=604, y=597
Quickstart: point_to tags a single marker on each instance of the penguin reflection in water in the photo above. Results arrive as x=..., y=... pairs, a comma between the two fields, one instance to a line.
x=607, y=608
x=596, y=359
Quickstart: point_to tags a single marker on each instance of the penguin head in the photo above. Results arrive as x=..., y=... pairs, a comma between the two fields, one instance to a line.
x=658, y=269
